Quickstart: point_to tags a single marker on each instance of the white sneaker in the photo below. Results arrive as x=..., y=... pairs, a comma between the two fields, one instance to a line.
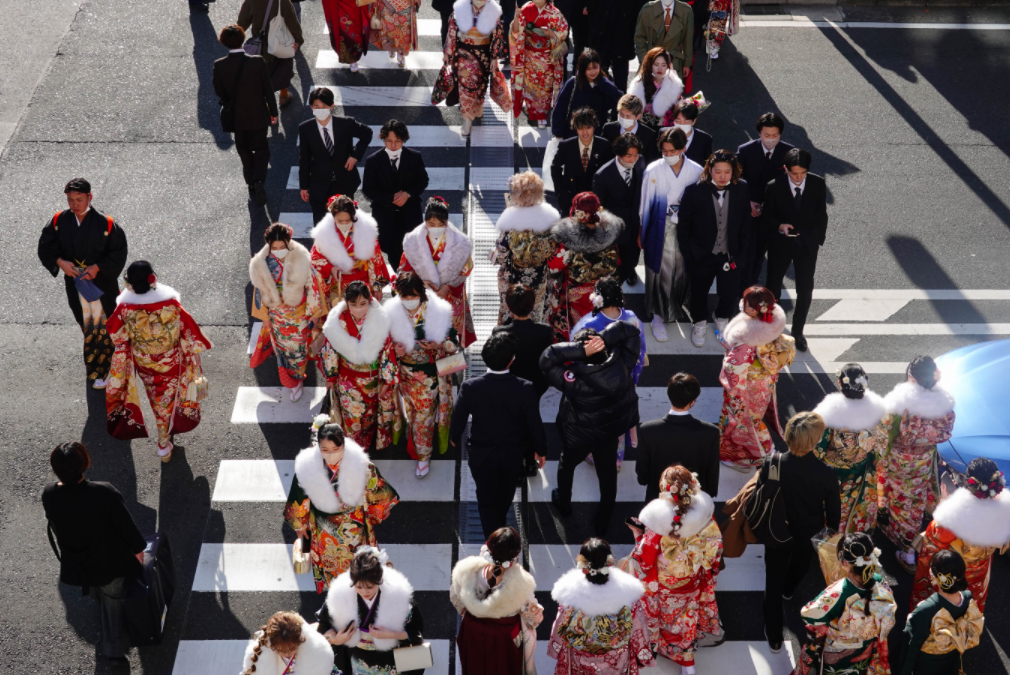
x=659, y=330
x=101, y=384
x=720, y=325
x=467, y=126
x=354, y=67
x=698, y=334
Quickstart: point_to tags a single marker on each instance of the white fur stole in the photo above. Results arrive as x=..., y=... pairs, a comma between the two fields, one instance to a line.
x=437, y=320
x=667, y=95
x=314, y=477
x=979, y=522
x=458, y=249
x=363, y=233
x=160, y=293
x=361, y=350
x=849, y=414
x=510, y=596
x=745, y=330
x=575, y=591
x=314, y=657
x=928, y=404
x=394, y=597
x=486, y=20
x=539, y=218
x=658, y=515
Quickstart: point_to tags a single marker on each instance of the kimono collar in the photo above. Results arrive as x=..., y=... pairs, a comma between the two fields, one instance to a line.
x=314, y=477
x=159, y=293
x=487, y=19
x=395, y=595
x=365, y=348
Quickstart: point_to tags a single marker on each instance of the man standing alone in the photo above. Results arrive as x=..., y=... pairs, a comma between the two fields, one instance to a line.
x=90, y=249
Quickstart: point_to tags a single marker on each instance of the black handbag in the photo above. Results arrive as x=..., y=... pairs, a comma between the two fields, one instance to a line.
x=228, y=104
x=148, y=595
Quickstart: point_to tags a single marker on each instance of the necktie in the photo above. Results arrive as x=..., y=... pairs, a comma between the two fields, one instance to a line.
x=720, y=196
x=327, y=141
x=768, y=155
x=666, y=22
x=585, y=158
x=392, y=163
x=797, y=199
x=627, y=177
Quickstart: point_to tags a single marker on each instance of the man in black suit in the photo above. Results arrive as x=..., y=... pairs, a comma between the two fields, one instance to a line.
x=532, y=338
x=328, y=156
x=245, y=81
x=394, y=180
x=714, y=234
x=618, y=184
x=678, y=438
x=578, y=159
x=761, y=160
x=699, y=143
x=796, y=212
x=506, y=431
x=629, y=115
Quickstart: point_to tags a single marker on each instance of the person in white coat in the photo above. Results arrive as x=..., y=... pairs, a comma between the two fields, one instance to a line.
x=658, y=86
x=287, y=643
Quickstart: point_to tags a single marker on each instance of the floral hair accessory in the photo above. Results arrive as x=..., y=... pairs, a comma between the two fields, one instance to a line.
x=872, y=560
x=485, y=553
x=585, y=208
x=151, y=278
x=586, y=568
x=596, y=299
x=380, y=554
x=438, y=199
x=320, y=420
x=986, y=491
x=945, y=581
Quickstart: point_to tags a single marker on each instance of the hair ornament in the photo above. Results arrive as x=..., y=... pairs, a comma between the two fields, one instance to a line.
x=380, y=554
x=596, y=299
x=151, y=278
x=438, y=199
x=329, y=202
x=945, y=581
x=872, y=560
x=586, y=568
x=320, y=421
x=986, y=491
x=485, y=553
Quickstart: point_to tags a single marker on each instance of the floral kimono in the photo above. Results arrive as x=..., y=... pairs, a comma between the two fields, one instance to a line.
x=536, y=73
x=724, y=20
x=282, y=285
x=679, y=574
x=159, y=342
x=975, y=528
x=446, y=261
x=853, y=440
x=498, y=632
x=847, y=629
x=399, y=26
x=339, y=259
x=523, y=249
x=937, y=633
x=599, y=629
x=338, y=508
x=918, y=419
x=426, y=397
x=358, y=361
x=584, y=256
x=755, y=353
x=473, y=45
x=349, y=28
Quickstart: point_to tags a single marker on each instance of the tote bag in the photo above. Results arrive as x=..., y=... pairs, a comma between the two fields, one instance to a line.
x=280, y=42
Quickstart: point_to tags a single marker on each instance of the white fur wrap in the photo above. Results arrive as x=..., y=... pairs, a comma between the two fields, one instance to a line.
x=437, y=320
x=745, y=330
x=539, y=218
x=314, y=477
x=394, y=597
x=839, y=412
x=366, y=348
x=314, y=657
x=667, y=95
x=363, y=233
x=510, y=596
x=160, y=293
x=458, y=249
x=979, y=522
x=575, y=591
x=928, y=404
x=658, y=515
x=486, y=20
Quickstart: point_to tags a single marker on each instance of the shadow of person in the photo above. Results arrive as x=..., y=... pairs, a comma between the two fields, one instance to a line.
x=924, y=271
x=206, y=49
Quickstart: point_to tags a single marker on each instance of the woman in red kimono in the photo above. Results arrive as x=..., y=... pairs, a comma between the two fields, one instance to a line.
x=535, y=38
x=349, y=29
x=159, y=342
x=441, y=255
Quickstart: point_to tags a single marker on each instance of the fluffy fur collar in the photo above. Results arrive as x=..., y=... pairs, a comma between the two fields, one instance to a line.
x=509, y=597
x=395, y=593
x=658, y=516
x=297, y=269
x=314, y=477
x=539, y=218
x=929, y=404
x=159, y=293
x=743, y=330
x=851, y=414
x=580, y=239
x=980, y=522
x=574, y=590
x=363, y=234
x=457, y=251
x=374, y=332
x=486, y=20
x=665, y=98
x=315, y=656
x=437, y=320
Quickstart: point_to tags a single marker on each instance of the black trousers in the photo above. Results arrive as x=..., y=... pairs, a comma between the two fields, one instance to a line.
x=445, y=25
x=701, y=273
x=629, y=254
x=755, y=259
x=113, y=640
x=318, y=200
x=393, y=226
x=784, y=570
x=783, y=250
x=253, y=149
x=618, y=65
x=496, y=488
x=604, y=454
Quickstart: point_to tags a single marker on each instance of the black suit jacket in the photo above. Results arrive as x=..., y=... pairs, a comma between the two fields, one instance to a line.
x=619, y=198
x=697, y=229
x=648, y=136
x=317, y=168
x=810, y=222
x=95, y=533
x=531, y=340
x=758, y=170
x=506, y=422
x=255, y=102
x=566, y=169
x=678, y=439
x=701, y=146
x=381, y=183
x=810, y=493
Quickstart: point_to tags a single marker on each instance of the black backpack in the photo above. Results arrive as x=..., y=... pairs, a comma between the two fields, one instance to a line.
x=766, y=510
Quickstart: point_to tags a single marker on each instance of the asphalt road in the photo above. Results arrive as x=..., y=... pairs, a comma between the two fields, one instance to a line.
x=909, y=126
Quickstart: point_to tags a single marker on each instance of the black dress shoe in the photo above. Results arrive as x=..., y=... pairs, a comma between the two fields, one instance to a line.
x=564, y=509
x=259, y=194
x=801, y=342
x=632, y=278
x=774, y=647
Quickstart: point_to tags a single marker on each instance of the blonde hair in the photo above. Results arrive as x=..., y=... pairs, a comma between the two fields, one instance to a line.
x=282, y=629
x=803, y=432
x=631, y=103
x=526, y=189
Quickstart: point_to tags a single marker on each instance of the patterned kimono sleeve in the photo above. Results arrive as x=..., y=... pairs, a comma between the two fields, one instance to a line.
x=817, y=615
x=646, y=554
x=639, y=643
x=532, y=613
x=389, y=373
x=192, y=339
x=777, y=354
x=450, y=38
x=463, y=273
x=296, y=509
x=556, y=644
x=892, y=424
x=499, y=45
x=378, y=272
x=942, y=428
x=733, y=377
x=318, y=293
x=380, y=497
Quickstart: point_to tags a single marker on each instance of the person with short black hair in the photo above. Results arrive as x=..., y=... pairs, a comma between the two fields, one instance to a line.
x=531, y=337
x=589, y=87
x=90, y=249
x=629, y=113
x=507, y=434
x=394, y=180
x=244, y=82
x=618, y=185
x=678, y=438
x=579, y=158
x=99, y=544
x=699, y=143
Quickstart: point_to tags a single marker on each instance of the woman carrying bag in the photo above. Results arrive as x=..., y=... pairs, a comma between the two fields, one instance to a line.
x=258, y=14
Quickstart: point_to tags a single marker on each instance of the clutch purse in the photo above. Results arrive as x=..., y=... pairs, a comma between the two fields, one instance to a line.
x=415, y=657
x=87, y=289
x=300, y=560
x=451, y=364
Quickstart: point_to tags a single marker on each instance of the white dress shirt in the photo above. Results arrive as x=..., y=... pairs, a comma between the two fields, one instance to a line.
x=792, y=186
x=679, y=413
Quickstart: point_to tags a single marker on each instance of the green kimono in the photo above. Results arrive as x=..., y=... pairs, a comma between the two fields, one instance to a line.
x=937, y=634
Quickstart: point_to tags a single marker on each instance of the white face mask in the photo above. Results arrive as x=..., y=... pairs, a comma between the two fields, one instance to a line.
x=394, y=154
x=769, y=145
x=411, y=304
x=626, y=123
x=343, y=227
x=279, y=253
x=672, y=160
x=686, y=128
x=435, y=232
x=479, y=3
x=625, y=164
x=322, y=113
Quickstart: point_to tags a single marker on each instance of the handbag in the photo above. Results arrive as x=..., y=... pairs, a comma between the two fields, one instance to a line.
x=414, y=657
x=447, y=365
x=228, y=105
x=301, y=559
x=254, y=45
x=375, y=23
x=826, y=544
x=280, y=41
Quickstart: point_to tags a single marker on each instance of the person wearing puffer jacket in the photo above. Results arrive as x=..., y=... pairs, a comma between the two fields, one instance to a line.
x=285, y=643
x=594, y=373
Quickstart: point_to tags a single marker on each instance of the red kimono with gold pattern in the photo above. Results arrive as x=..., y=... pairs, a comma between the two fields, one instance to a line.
x=536, y=76
x=334, y=274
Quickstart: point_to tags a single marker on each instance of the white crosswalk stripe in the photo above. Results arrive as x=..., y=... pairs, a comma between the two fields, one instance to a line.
x=439, y=178
x=376, y=60
x=381, y=97
x=425, y=27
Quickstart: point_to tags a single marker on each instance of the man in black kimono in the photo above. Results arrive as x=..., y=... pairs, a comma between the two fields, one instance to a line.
x=90, y=249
